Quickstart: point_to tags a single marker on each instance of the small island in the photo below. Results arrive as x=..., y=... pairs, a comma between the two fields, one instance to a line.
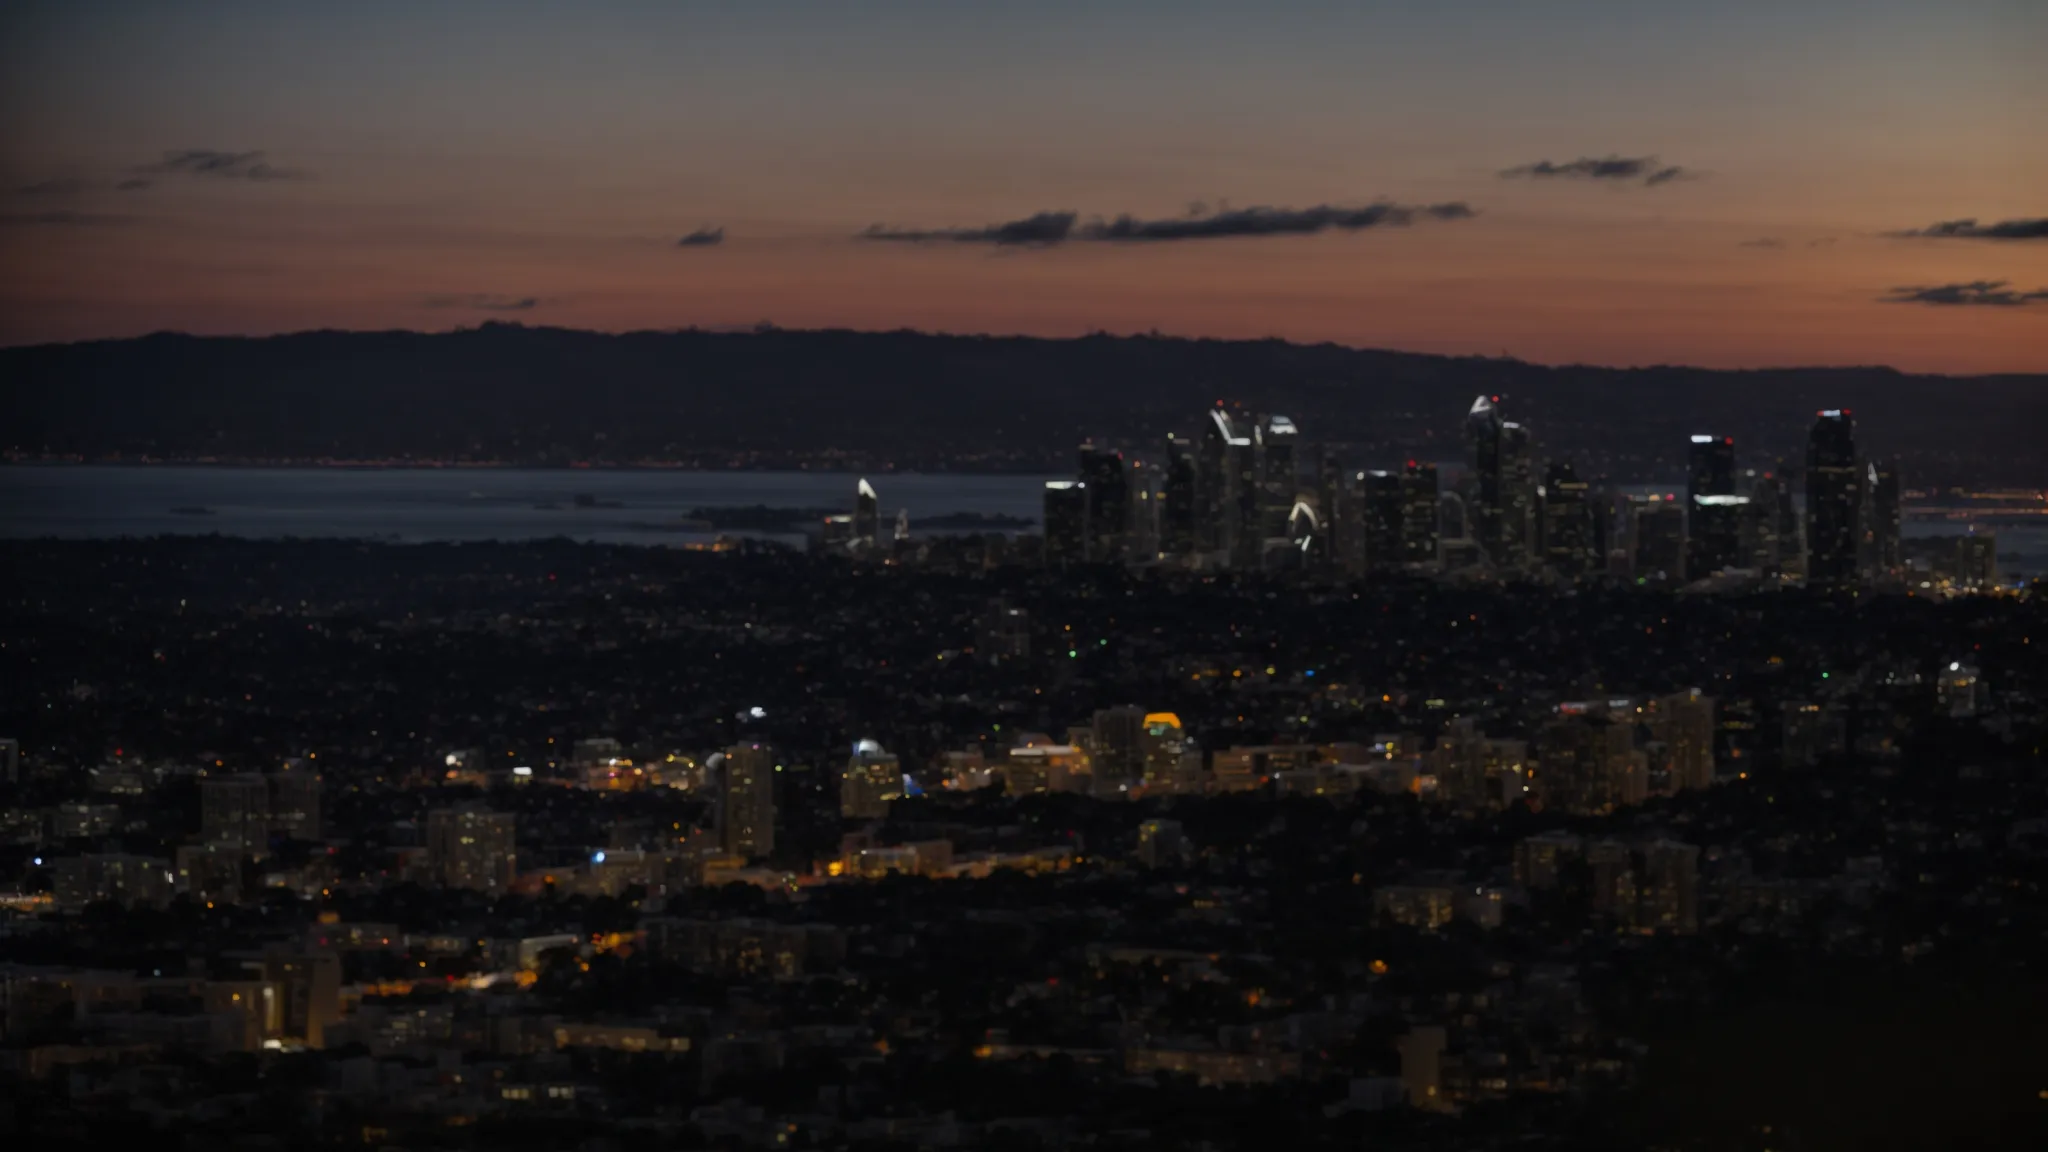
x=697, y=526
x=764, y=518
x=971, y=522
x=759, y=518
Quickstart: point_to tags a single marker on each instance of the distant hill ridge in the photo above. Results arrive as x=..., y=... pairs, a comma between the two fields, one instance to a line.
x=773, y=397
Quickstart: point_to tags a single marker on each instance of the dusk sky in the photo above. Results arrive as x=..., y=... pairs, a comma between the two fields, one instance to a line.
x=264, y=167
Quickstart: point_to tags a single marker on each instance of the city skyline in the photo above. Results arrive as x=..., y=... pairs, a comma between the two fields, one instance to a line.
x=1603, y=184
x=1255, y=496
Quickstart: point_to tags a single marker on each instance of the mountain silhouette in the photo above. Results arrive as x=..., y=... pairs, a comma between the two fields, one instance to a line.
x=909, y=400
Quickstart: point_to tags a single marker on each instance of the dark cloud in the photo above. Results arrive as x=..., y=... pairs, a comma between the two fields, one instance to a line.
x=1042, y=229
x=136, y=184
x=221, y=165
x=702, y=238
x=485, y=302
x=1616, y=169
x=1762, y=242
x=1995, y=293
x=52, y=188
x=1273, y=222
x=1049, y=228
x=2035, y=228
x=64, y=219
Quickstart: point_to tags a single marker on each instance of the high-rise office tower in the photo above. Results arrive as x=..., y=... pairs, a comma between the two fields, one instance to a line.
x=1710, y=465
x=1684, y=723
x=1420, y=514
x=1179, y=509
x=1866, y=521
x=746, y=800
x=1333, y=506
x=1887, y=561
x=1166, y=750
x=1502, y=512
x=1279, y=476
x=871, y=779
x=1066, y=521
x=1760, y=519
x=1455, y=546
x=1244, y=523
x=234, y=812
x=1518, y=488
x=1109, y=502
x=1791, y=526
x=1713, y=509
x=1482, y=441
x=1567, y=523
x=1383, y=499
x=867, y=515
x=1834, y=501
x=1148, y=491
x=1600, y=518
x=469, y=846
x=1224, y=449
x=1117, y=742
x=1658, y=528
x=1518, y=495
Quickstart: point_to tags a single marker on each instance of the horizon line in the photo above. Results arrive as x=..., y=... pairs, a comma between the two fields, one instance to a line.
x=769, y=328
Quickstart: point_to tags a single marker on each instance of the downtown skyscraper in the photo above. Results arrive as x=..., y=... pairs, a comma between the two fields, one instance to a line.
x=1398, y=517
x=1567, y=520
x=1713, y=509
x=1221, y=477
x=1382, y=500
x=1066, y=521
x=1885, y=526
x=1834, y=501
x=1277, y=441
x=1108, y=484
x=1503, y=508
x=867, y=515
x=1420, y=515
x=1179, y=512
